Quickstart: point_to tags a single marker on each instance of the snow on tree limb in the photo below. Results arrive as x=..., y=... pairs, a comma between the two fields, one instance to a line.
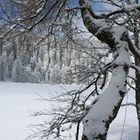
x=98, y=119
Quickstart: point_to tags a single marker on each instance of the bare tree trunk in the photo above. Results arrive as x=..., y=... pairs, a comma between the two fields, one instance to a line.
x=97, y=121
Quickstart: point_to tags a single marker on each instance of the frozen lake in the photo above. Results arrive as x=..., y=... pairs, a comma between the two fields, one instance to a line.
x=18, y=100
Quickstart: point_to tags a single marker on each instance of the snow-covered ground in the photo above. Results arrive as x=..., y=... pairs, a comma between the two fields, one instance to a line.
x=18, y=100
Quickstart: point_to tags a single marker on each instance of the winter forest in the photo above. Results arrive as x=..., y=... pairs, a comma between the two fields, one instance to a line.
x=49, y=62
x=87, y=50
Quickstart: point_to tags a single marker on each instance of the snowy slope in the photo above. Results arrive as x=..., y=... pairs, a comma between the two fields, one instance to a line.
x=18, y=100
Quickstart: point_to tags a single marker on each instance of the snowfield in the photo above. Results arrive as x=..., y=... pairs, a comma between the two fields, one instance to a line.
x=19, y=100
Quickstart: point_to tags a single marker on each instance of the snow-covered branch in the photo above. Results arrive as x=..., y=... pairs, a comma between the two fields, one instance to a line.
x=128, y=104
